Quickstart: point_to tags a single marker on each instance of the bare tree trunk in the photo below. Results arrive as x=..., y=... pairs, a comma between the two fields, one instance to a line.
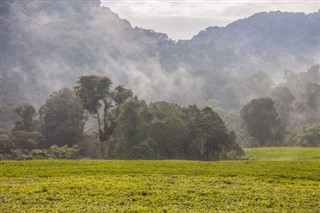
x=100, y=135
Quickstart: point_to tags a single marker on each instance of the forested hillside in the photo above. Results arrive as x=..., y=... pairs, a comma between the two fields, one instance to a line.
x=48, y=44
x=262, y=66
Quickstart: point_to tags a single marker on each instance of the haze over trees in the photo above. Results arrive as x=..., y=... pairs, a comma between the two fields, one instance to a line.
x=262, y=121
x=198, y=98
x=47, y=45
x=128, y=128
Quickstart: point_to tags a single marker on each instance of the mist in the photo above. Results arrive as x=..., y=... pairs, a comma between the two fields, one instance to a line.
x=49, y=45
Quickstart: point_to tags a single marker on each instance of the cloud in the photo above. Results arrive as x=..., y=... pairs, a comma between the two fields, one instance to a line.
x=51, y=48
x=167, y=16
x=50, y=44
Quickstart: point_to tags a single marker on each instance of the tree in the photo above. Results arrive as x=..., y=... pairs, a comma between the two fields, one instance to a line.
x=262, y=121
x=27, y=113
x=120, y=94
x=211, y=140
x=168, y=130
x=95, y=94
x=102, y=103
x=63, y=118
x=132, y=123
x=308, y=136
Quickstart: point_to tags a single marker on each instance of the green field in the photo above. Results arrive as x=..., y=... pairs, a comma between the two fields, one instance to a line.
x=164, y=186
x=282, y=153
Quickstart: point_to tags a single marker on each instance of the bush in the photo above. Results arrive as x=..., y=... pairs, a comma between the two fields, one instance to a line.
x=307, y=136
x=142, y=151
x=40, y=154
x=6, y=144
x=65, y=152
x=28, y=140
x=21, y=154
x=89, y=147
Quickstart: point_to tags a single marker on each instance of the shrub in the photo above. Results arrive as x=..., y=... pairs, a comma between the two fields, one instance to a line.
x=65, y=152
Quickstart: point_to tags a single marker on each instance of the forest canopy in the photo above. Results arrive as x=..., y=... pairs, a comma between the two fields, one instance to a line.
x=119, y=126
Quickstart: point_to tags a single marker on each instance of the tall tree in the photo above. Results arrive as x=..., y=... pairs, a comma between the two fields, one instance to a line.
x=168, y=130
x=132, y=122
x=102, y=103
x=261, y=119
x=27, y=113
x=210, y=139
x=62, y=117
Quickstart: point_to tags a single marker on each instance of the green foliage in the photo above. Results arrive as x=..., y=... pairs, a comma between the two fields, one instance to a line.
x=38, y=154
x=261, y=119
x=131, y=126
x=143, y=150
x=308, y=136
x=26, y=112
x=27, y=140
x=19, y=144
x=121, y=94
x=63, y=118
x=297, y=102
x=159, y=186
x=209, y=135
x=168, y=131
x=89, y=146
x=6, y=144
x=65, y=152
x=96, y=96
x=92, y=90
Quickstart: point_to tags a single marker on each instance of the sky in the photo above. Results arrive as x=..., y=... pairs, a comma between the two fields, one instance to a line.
x=182, y=19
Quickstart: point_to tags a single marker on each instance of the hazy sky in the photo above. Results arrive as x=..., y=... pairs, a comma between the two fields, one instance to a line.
x=182, y=19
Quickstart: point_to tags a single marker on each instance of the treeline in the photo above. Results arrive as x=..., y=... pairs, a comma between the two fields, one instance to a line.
x=96, y=120
x=288, y=116
x=118, y=126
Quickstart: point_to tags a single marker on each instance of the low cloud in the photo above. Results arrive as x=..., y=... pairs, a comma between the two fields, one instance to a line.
x=154, y=14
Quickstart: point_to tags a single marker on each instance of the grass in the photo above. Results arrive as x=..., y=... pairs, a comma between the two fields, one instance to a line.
x=162, y=186
x=282, y=153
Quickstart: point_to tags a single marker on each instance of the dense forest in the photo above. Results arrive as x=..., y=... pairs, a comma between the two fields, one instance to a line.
x=278, y=114
x=127, y=127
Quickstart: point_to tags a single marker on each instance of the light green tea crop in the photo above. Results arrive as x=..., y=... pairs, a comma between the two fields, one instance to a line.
x=159, y=186
x=282, y=153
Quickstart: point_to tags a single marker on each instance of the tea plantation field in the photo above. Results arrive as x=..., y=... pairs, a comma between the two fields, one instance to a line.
x=282, y=153
x=251, y=185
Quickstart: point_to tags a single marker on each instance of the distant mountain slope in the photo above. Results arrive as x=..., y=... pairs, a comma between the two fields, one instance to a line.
x=46, y=45
x=293, y=33
x=268, y=42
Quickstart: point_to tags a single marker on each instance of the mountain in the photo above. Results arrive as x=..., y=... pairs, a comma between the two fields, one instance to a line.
x=293, y=33
x=269, y=42
x=46, y=45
